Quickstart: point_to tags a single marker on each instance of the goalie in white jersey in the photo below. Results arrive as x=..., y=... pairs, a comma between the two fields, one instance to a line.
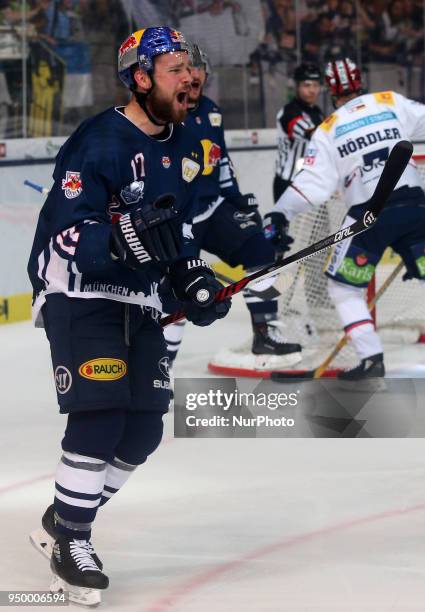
x=347, y=154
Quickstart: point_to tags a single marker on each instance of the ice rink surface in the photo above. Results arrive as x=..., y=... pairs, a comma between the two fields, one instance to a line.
x=217, y=525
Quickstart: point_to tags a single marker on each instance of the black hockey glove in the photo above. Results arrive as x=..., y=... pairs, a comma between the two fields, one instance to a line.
x=276, y=230
x=148, y=233
x=194, y=283
x=247, y=202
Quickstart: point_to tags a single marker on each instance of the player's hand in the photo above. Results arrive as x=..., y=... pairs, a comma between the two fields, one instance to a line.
x=194, y=283
x=149, y=233
x=276, y=230
x=303, y=128
x=247, y=202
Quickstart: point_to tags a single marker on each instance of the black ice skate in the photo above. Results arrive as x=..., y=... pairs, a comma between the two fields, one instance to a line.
x=367, y=376
x=43, y=538
x=75, y=571
x=269, y=343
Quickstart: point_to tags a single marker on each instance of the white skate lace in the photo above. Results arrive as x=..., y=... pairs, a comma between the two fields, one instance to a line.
x=275, y=331
x=81, y=552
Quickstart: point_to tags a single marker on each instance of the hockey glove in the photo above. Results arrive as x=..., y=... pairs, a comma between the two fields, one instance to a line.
x=149, y=233
x=194, y=283
x=276, y=230
x=247, y=204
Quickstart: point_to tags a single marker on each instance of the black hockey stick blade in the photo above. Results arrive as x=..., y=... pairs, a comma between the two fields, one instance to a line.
x=288, y=376
x=393, y=169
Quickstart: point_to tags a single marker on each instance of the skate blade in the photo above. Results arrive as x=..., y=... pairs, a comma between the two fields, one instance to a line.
x=78, y=595
x=42, y=542
x=367, y=385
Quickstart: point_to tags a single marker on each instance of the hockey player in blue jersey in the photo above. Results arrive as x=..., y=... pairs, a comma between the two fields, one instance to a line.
x=228, y=225
x=109, y=234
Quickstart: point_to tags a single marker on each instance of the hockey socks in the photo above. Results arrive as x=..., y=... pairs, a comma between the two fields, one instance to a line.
x=117, y=474
x=355, y=318
x=79, y=485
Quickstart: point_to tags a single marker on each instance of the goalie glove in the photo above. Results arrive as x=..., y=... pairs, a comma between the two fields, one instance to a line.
x=149, y=233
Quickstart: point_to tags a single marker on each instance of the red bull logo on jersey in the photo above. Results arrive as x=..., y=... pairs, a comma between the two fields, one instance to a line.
x=212, y=155
x=72, y=184
x=103, y=368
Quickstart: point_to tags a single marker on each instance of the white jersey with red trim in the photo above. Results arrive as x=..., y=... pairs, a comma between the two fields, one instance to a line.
x=348, y=151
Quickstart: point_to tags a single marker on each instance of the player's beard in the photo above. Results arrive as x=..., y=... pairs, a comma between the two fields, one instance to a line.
x=163, y=109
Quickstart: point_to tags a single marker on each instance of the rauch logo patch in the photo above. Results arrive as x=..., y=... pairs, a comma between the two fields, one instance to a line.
x=103, y=368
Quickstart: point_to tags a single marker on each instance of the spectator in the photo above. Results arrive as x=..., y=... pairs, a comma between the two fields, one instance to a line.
x=287, y=37
x=413, y=31
x=316, y=38
x=383, y=32
x=343, y=41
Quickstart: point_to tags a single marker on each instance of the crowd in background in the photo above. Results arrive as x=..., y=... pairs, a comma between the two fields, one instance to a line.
x=71, y=58
x=71, y=46
x=380, y=30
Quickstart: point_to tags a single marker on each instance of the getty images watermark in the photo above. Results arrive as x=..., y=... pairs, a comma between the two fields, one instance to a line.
x=325, y=408
x=226, y=402
x=222, y=408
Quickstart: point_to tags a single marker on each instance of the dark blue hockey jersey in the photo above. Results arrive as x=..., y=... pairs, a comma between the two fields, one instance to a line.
x=106, y=168
x=218, y=177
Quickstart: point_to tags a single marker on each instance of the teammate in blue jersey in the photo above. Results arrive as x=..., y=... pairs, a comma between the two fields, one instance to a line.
x=227, y=224
x=108, y=236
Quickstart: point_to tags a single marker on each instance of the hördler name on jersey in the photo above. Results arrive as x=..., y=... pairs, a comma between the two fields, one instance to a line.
x=361, y=142
x=103, y=368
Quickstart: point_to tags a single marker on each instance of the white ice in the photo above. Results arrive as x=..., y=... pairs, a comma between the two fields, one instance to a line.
x=217, y=525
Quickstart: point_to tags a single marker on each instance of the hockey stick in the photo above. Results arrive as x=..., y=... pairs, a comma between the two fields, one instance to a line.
x=393, y=169
x=43, y=190
x=321, y=369
x=268, y=294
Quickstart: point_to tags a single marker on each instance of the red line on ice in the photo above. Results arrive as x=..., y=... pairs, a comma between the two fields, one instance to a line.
x=187, y=587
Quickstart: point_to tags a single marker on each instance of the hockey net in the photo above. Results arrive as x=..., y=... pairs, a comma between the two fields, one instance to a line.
x=308, y=314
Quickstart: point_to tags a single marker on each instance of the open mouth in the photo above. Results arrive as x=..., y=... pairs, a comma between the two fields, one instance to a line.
x=196, y=85
x=183, y=98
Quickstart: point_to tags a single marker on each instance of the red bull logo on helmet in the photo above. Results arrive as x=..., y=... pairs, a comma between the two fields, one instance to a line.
x=177, y=36
x=129, y=43
x=72, y=184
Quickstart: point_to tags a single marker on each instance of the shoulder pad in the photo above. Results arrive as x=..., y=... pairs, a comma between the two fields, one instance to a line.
x=327, y=124
x=384, y=97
